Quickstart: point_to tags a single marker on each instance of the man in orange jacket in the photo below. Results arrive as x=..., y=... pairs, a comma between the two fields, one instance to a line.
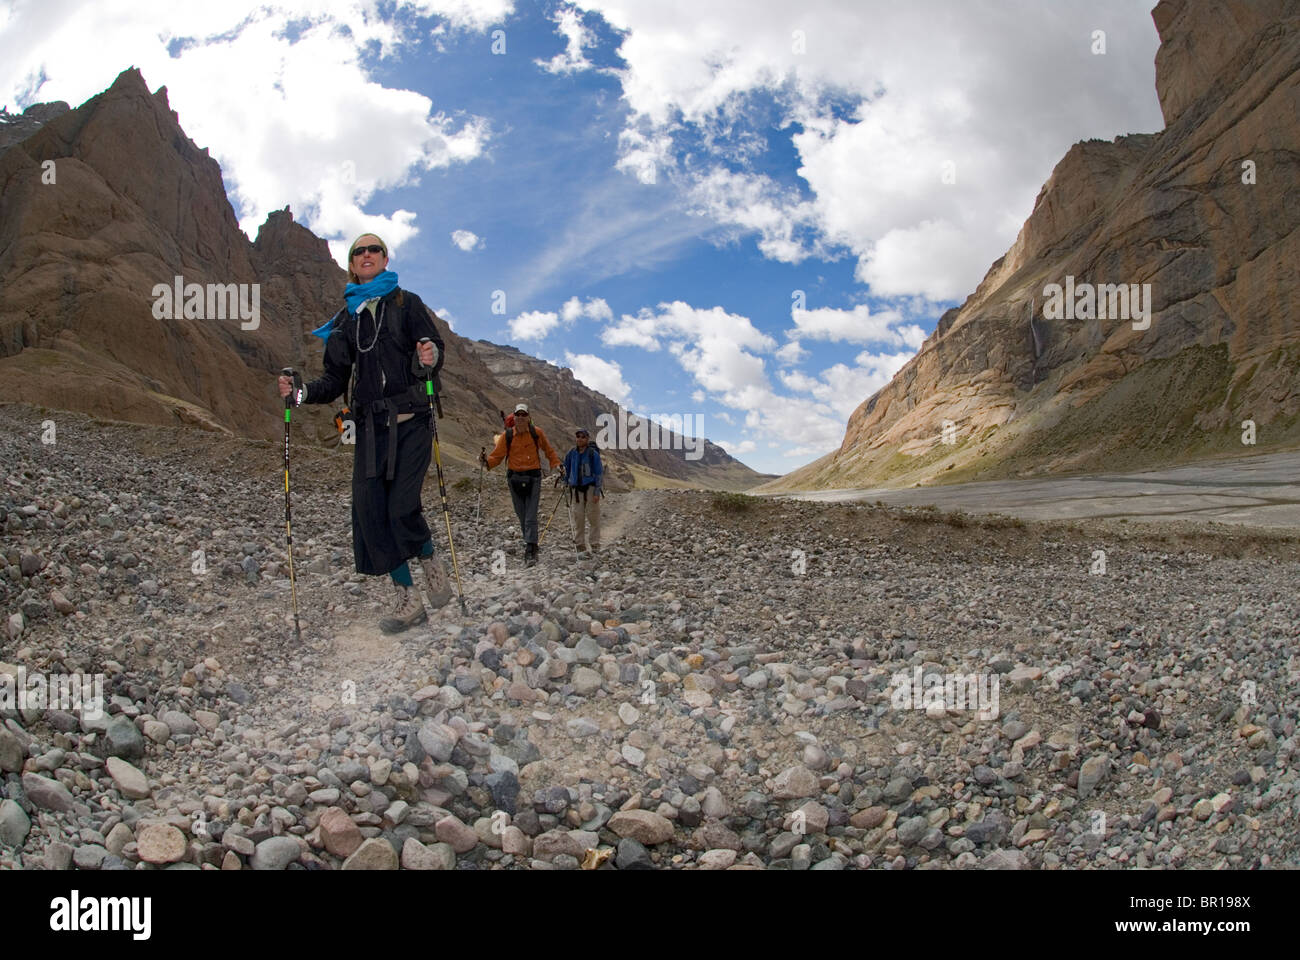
x=523, y=444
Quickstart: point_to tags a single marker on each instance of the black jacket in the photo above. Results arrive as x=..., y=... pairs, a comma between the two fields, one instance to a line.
x=385, y=370
x=389, y=378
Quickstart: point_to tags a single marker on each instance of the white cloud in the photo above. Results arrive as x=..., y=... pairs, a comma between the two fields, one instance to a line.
x=791, y=353
x=473, y=15
x=803, y=427
x=751, y=203
x=568, y=23
x=736, y=449
x=843, y=388
x=279, y=94
x=721, y=366
x=446, y=317
x=679, y=321
x=616, y=227
x=638, y=331
x=858, y=325
x=881, y=100
x=645, y=156
x=712, y=345
x=533, y=325
x=723, y=353
x=903, y=261
x=466, y=240
x=537, y=325
x=603, y=376
x=595, y=308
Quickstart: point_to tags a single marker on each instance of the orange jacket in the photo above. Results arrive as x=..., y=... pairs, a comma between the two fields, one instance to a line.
x=523, y=453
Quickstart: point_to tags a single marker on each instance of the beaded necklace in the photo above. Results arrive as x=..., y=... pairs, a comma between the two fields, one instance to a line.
x=378, y=325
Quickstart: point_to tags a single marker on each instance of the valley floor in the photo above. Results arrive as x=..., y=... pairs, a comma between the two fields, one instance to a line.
x=1261, y=491
x=722, y=687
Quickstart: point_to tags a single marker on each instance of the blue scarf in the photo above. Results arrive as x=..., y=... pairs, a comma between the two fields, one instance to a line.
x=358, y=293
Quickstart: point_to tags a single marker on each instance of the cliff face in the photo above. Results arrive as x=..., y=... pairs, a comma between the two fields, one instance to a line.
x=1023, y=390
x=102, y=204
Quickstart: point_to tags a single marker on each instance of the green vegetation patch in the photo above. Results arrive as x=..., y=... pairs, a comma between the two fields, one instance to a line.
x=734, y=502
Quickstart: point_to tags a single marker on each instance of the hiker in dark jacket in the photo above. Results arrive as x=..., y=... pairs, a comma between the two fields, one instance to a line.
x=585, y=475
x=372, y=352
x=524, y=444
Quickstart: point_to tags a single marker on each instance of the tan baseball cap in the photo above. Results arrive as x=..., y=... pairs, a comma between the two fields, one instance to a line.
x=521, y=407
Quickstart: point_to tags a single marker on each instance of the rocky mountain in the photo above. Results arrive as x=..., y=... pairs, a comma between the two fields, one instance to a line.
x=1204, y=212
x=104, y=206
x=19, y=126
x=99, y=205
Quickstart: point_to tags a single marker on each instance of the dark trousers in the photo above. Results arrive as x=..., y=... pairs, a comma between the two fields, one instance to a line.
x=388, y=525
x=525, y=493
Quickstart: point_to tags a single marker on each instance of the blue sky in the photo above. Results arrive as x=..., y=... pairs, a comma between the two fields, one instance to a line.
x=650, y=185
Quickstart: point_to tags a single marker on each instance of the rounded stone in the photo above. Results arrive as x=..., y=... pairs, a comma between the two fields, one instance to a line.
x=642, y=826
x=275, y=853
x=375, y=854
x=160, y=843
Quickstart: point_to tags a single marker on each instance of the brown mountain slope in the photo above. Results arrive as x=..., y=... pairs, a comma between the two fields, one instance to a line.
x=1171, y=209
x=133, y=203
x=101, y=204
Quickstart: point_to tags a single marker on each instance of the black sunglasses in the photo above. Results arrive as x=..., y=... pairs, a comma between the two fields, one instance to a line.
x=577, y=435
x=373, y=248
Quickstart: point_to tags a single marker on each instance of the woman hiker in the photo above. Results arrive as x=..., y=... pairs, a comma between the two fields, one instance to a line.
x=523, y=444
x=373, y=345
x=585, y=475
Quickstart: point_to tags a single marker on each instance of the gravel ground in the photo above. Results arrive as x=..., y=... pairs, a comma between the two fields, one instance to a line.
x=720, y=688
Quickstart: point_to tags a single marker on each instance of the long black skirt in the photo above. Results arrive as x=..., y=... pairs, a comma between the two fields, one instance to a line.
x=388, y=524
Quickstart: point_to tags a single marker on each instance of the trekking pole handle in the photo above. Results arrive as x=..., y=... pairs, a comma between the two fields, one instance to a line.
x=428, y=384
x=293, y=398
x=419, y=343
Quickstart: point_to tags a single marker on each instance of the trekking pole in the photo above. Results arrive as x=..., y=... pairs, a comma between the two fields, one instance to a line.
x=478, y=509
x=552, y=516
x=570, y=492
x=442, y=485
x=288, y=510
x=504, y=428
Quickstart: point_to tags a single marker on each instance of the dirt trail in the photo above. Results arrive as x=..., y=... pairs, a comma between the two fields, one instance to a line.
x=615, y=521
x=359, y=665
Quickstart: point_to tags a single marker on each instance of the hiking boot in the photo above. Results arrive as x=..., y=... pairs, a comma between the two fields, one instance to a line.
x=435, y=578
x=407, y=611
x=530, y=554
